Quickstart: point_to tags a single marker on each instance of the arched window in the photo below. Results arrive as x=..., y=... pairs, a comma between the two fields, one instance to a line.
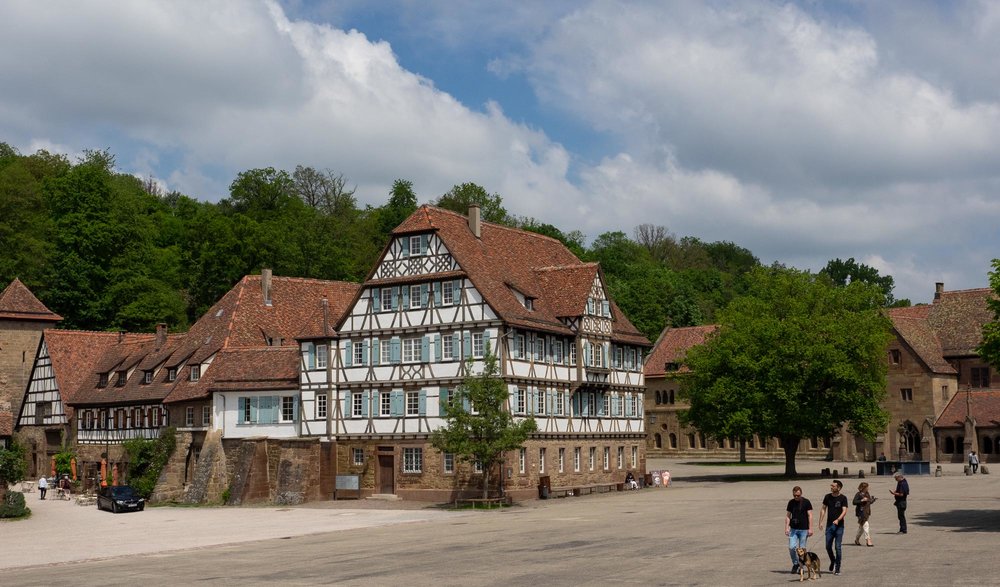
x=671, y=396
x=658, y=440
x=909, y=438
x=673, y=440
x=690, y=440
x=659, y=397
x=701, y=440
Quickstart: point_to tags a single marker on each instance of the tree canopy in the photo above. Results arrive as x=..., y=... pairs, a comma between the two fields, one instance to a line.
x=795, y=357
x=989, y=348
x=460, y=197
x=479, y=428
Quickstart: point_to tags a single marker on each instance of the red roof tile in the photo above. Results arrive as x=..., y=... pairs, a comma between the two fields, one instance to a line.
x=672, y=346
x=18, y=303
x=74, y=354
x=255, y=368
x=984, y=406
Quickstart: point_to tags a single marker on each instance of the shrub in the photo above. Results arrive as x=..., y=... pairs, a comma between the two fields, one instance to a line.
x=146, y=460
x=13, y=506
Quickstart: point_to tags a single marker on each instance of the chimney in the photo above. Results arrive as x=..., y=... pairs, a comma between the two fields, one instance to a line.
x=938, y=290
x=475, y=222
x=161, y=335
x=121, y=335
x=265, y=285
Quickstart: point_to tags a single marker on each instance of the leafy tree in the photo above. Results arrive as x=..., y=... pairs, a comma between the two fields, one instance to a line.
x=989, y=348
x=402, y=202
x=13, y=467
x=478, y=427
x=794, y=358
x=324, y=191
x=460, y=197
x=849, y=271
x=258, y=192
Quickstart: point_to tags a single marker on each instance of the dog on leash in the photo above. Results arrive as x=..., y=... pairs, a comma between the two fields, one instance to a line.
x=808, y=565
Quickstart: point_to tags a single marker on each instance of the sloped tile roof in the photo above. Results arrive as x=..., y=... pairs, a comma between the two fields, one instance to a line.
x=75, y=354
x=6, y=423
x=919, y=335
x=255, y=368
x=506, y=259
x=984, y=406
x=958, y=318
x=671, y=347
x=18, y=303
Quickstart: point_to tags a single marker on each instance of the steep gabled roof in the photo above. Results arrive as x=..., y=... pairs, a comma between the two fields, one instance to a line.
x=958, y=318
x=671, y=347
x=18, y=303
x=918, y=334
x=75, y=354
x=984, y=406
x=504, y=260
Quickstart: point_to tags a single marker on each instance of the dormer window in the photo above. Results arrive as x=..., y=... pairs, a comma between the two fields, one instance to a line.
x=171, y=374
x=122, y=377
x=102, y=380
x=529, y=303
x=147, y=377
x=415, y=245
x=274, y=341
x=195, y=372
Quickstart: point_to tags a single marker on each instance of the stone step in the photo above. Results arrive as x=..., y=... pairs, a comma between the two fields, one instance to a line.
x=385, y=497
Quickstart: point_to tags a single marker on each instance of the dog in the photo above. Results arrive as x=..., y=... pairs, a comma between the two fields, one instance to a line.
x=808, y=565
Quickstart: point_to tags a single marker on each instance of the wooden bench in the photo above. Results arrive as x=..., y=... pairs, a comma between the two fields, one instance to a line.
x=578, y=490
x=487, y=503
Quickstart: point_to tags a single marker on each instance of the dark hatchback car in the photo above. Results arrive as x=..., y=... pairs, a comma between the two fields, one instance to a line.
x=119, y=499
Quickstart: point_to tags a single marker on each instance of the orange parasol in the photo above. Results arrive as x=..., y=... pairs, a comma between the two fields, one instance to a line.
x=114, y=474
x=104, y=472
x=53, y=466
x=72, y=468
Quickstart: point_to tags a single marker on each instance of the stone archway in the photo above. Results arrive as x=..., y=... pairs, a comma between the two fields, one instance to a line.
x=910, y=442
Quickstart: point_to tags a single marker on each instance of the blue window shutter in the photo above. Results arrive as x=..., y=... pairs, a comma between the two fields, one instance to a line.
x=437, y=293
x=348, y=353
x=600, y=404
x=548, y=402
x=311, y=361
x=456, y=342
x=466, y=404
x=586, y=354
x=376, y=300
x=532, y=400
x=442, y=401
x=395, y=298
x=467, y=345
x=376, y=352
x=295, y=409
x=615, y=407
x=253, y=409
x=366, y=396
x=406, y=297
x=512, y=400
x=425, y=349
x=422, y=398
x=364, y=352
x=423, y=295
x=346, y=410
x=423, y=243
x=606, y=309
x=405, y=244
x=437, y=347
x=243, y=409
x=394, y=350
x=396, y=403
x=457, y=292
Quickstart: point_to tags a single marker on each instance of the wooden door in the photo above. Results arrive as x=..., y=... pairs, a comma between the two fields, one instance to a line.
x=386, y=471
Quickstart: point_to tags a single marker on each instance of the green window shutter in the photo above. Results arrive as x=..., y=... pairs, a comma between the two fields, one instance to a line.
x=376, y=352
x=346, y=410
x=243, y=409
x=424, y=238
x=405, y=244
x=437, y=293
x=253, y=409
x=406, y=297
x=437, y=347
x=425, y=349
x=422, y=408
x=423, y=295
x=467, y=345
x=395, y=298
x=376, y=300
x=396, y=403
x=548, y=402
x=456, y=343
x=442, y=401
x=512, y=400
x=364, y=352
x=457, y=292
x=349, y=354
x=311, y=361
x=394, y=350
x=366, y=396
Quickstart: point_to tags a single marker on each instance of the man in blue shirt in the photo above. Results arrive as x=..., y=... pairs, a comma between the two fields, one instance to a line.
x=902, y=490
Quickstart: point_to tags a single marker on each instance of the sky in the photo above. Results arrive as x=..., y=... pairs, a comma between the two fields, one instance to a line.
x=803, y=131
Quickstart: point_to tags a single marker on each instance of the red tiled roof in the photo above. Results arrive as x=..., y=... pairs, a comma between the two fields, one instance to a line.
x=918, y=334
x=18, y=303
x=984, y=406
x=958, y=317
x=505, y=259
x=672, y=346
x=74, y=354
x=6, y=423
x=255, y=368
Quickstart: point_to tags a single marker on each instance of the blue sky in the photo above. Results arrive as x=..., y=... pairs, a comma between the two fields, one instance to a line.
x=804, y=131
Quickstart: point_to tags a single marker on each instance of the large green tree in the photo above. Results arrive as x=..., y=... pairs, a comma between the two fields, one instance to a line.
x=844, y=272
x=989, y=348
x=796, y=357
x=460, y=197
x=479, y=428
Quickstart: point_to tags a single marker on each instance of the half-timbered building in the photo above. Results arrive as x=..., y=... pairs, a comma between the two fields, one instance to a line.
x=446, y=291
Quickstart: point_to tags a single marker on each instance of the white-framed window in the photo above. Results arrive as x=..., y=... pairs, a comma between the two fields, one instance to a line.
x=541, y=460
x=522, y=460
x=385, y=403
x=635, y=456
x=607, y=405
x=631, y=359
x=519, y=407
x=519, y=346
x=386, y=350
x=621, y=457
x=287, y=408
x=147, y=377
x=171, y=375
x=412, y=348
x=386, y=295
x=607, y=458
x=265, y=409
x=321, y=356
x=572, y=355
x=206, y=415
x=413, y=460
x=357, y=403
x=593, y=458
x=358, y=349
x=195, y=372
x=557, y=352
x=477, y=344
x=415, y=245
x=447, y=347
x=558, y=404
x=576, y=459
x=477, y=467
x=123, y=378
x=189, y=416
x=359, y=456
x=412, y=403
x=321, y=406
x=448, y=293
x=540, y=402
x=599, y=356
x=415, y=297
x=539, y=348
x=448, y=462
x=592, y=404
x=562, y=460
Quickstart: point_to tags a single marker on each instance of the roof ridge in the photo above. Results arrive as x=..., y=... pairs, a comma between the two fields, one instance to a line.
x=580, y=265
x=465, y=217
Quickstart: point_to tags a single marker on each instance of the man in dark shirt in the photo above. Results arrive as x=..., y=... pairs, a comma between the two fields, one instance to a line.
x=902, y=490
x=798, y=524
x=836, y=506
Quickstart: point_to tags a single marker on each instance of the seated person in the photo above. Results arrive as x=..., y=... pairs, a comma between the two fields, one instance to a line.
x=65, y=486
x=630, y=481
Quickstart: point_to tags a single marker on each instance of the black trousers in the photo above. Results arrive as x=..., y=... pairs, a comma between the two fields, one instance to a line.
x=901, y=514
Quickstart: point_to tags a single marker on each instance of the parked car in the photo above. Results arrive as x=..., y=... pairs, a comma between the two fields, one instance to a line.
x=121, y=498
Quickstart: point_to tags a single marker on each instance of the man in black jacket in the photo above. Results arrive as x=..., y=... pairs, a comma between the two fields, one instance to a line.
x=902, y=490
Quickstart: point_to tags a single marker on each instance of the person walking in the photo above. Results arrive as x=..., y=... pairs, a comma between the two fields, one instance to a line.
x=900, y=494
x=863, y=510
x=974, y=462
x=798, y=524
x=43, y=486
x=834, y=504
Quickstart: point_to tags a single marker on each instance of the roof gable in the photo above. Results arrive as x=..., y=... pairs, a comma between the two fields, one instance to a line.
x=672, y=346
x=984, y=406
x=18, y=303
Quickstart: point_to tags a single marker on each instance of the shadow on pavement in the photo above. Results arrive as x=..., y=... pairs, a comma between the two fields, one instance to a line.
x=962, y=520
